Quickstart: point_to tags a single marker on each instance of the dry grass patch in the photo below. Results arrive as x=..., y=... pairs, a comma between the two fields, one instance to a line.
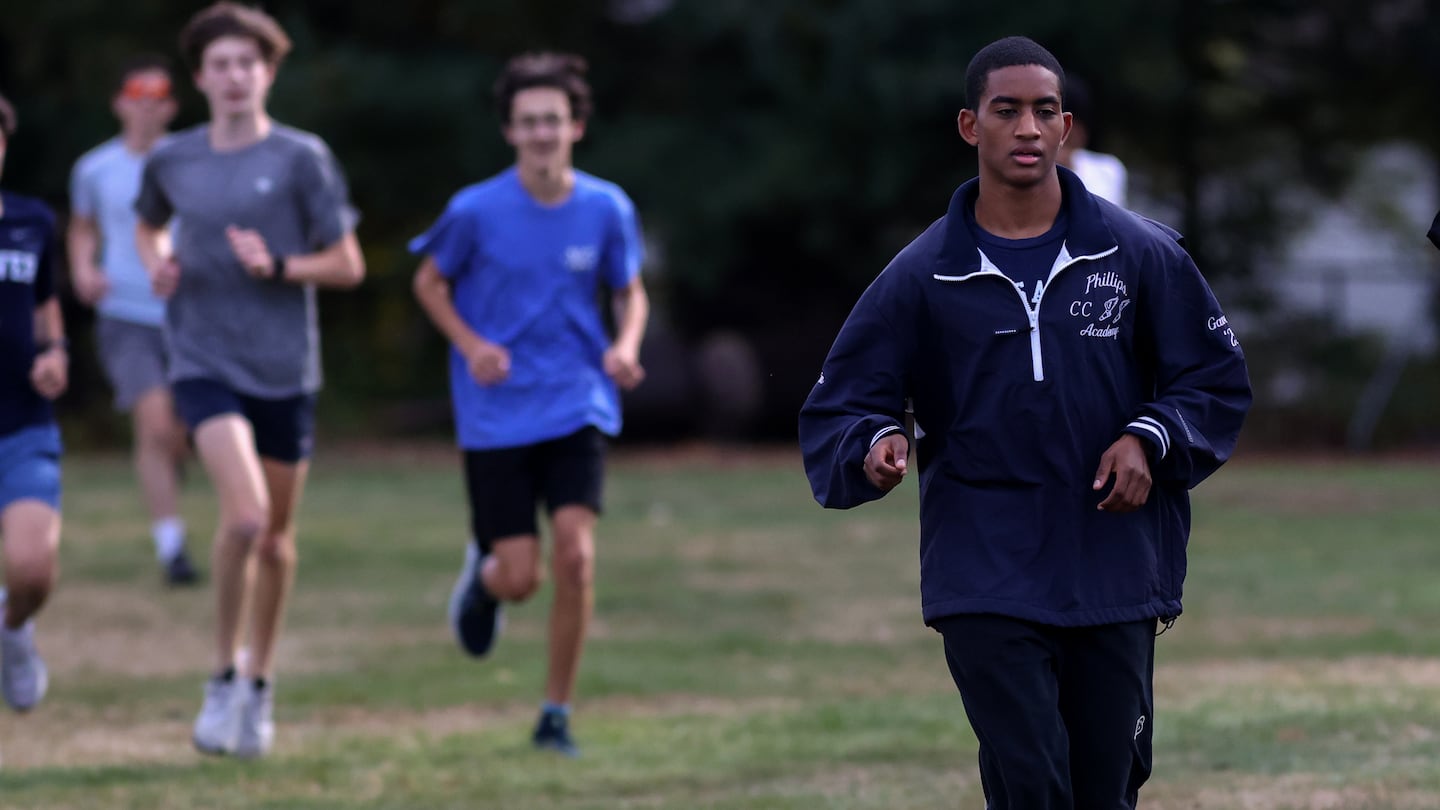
x=128, y=632
x=1304, y=496
x=1236, y=630
x=68, y=736
x=1193, y=683
x=1296, y=791
x=125, y=631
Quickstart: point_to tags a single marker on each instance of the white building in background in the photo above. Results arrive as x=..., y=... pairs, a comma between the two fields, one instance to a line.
x=1362, y=258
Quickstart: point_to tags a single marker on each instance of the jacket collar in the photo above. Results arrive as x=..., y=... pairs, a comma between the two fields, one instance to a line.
x=1088, y=234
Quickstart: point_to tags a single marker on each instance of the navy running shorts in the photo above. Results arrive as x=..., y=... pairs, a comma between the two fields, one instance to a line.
x=284, y=428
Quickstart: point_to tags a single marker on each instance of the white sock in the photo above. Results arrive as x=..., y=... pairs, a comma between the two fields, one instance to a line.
x=169, y=534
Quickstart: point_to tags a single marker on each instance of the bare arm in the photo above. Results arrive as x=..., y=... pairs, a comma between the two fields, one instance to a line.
x=153, y=245
x=49, y=373
x=341, y=265
x=82, y=240
x=489, y=362
x=632, y=313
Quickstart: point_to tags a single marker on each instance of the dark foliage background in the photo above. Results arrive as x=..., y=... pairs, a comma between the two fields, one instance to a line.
x=780, y=152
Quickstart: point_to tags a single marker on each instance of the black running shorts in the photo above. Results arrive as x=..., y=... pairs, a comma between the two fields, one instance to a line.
x=506, y=485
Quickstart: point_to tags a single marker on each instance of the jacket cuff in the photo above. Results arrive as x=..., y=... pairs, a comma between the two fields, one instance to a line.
x=1153, y=432
x=885, y=431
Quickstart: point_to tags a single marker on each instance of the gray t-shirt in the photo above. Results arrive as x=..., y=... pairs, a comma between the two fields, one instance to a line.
x=260, y=338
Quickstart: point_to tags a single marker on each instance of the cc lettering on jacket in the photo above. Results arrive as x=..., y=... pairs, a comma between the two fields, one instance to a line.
x=1080, y=309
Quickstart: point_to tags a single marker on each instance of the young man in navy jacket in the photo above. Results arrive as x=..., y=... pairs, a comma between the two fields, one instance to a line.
x=1072, y=377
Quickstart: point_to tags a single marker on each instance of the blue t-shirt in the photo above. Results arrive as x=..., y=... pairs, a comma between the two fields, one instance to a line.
x=27, y=279
x=528, y=276
x=1027, y=262
x=103, y=187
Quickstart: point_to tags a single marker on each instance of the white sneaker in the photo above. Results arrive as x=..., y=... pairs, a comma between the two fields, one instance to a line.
x=217, y=727
x=23, y=676
x=257, y=721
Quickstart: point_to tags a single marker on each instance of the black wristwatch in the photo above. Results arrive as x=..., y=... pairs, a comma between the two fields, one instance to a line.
x=46, y=345
x=277, y=272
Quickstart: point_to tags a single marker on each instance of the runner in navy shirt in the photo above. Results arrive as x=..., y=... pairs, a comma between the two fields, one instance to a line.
x=33, y=371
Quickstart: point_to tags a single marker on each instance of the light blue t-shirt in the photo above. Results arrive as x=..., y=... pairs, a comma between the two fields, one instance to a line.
x=103, y=186
x=528, y=277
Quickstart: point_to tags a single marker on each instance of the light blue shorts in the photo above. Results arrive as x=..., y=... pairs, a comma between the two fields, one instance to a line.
x=30, y=465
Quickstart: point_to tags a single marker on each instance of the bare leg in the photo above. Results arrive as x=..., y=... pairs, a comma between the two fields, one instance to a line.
x=512, y=568
x=158, y=446
x=275, y=563
x=226, y=446
x=31, y=532
x=573, y=566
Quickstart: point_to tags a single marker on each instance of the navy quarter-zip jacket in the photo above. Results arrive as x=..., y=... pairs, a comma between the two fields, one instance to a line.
x=1017, y=401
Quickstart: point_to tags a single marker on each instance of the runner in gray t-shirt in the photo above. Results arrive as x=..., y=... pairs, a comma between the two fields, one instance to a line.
x=224, y=325
x=261, y=218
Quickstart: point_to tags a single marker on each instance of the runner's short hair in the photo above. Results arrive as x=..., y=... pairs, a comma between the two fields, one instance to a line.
x=562, y=71
x=227, y=19
x=1003, y=53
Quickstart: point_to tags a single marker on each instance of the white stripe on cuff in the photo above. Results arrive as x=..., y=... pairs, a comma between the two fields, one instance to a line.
x=883, y=432
x=1154, y=428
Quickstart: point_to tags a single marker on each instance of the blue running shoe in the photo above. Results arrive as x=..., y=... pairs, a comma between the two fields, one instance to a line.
x=474, y=614
x=553, y=733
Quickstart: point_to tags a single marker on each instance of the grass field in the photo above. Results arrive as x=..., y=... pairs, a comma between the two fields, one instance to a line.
x=750, y=651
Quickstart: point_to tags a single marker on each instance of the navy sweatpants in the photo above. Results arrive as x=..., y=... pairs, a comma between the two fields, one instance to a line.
x=1063, y=714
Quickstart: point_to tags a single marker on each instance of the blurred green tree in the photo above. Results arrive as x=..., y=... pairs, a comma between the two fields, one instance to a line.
x=780, y=151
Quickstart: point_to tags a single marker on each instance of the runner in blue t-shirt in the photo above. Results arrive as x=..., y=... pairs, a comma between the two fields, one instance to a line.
x=511, y=274
x=33, y=371
x=107, y=274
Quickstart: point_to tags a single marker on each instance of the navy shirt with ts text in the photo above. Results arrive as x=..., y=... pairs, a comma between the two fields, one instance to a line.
x=27, y=279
